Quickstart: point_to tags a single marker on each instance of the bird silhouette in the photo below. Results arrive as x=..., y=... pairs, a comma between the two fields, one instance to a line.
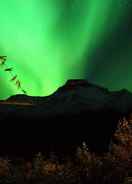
x=24, y=91
x=3, y=60
x=8, y=69
x=3, y=57
x=18, y=84
x=14, y=78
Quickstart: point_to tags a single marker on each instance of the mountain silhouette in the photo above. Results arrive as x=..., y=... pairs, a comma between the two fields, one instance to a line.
x=79, y=94
x=77, y=111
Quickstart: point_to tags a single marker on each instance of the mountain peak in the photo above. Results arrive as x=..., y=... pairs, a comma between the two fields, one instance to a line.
x=82, y=95
x=75, y=84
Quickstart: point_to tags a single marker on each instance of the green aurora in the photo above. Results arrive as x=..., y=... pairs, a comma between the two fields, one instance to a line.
x=50, y=41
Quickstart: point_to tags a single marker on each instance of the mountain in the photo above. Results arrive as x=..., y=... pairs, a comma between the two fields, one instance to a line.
x=75, y=96
x=77, y=111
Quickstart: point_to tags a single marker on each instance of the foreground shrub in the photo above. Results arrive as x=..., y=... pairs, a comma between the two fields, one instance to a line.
x=114, y=167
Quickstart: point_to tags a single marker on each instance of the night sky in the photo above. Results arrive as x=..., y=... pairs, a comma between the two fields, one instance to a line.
x=49, y=41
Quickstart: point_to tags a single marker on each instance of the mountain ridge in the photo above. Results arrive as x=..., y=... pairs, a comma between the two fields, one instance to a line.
x=83, y=94
x=77, y=111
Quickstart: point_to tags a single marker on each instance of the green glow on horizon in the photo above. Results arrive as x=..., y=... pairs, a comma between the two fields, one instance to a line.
x=48, y=41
